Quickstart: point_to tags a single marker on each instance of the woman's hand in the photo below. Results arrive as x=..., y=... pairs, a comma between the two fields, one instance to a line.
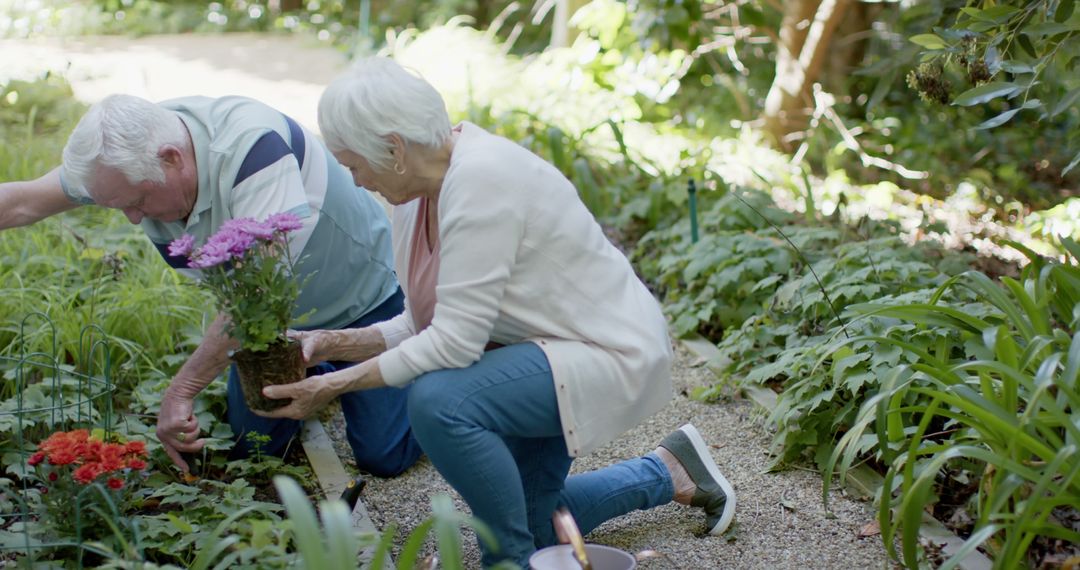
x=314, y=393
x=315, y=345
x=308, y=397
x=349, y=345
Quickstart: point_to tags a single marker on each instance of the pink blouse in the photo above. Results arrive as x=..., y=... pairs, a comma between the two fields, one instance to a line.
x=423, y=270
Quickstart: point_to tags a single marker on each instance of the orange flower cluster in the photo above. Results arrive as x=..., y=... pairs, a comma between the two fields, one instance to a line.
x=90, y=457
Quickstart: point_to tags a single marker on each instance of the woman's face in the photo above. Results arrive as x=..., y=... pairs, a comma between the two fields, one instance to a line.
x=389, y=185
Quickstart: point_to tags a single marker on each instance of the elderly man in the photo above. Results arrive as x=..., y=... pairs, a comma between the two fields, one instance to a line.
x=185, y=166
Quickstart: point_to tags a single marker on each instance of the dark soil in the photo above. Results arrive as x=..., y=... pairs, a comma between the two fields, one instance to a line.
x=281, y=363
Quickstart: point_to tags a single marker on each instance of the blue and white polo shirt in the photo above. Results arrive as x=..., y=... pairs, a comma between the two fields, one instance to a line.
x=254, y=161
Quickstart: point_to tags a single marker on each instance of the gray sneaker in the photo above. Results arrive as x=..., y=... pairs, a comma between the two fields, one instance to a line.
x=713, y=492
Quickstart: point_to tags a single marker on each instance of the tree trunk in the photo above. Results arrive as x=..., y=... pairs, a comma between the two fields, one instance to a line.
x=562, y=35
x=849, y=46
x=482, y=14
x=805, y=34
x=280, y=6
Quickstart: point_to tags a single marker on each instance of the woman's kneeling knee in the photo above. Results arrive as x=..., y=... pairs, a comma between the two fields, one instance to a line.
x=428, y=401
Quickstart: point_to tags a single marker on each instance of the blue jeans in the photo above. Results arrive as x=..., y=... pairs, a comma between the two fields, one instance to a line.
x=493, y=432
x=376, y=422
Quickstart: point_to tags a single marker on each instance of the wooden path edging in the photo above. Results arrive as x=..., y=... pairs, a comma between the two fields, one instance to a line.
x=861, y=480
x=333, y=479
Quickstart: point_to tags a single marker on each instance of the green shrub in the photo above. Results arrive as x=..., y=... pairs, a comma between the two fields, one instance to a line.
x=993, y=399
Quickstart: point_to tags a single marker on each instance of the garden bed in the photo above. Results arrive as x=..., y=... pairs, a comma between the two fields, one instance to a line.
x=868, y=348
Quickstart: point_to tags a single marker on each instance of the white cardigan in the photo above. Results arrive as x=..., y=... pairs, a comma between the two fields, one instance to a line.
x=522, y=259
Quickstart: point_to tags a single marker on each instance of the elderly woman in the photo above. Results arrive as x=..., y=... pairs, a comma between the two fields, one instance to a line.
x=526, y=336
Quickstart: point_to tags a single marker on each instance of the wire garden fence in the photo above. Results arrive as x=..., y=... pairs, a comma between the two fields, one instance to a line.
x=49, y=392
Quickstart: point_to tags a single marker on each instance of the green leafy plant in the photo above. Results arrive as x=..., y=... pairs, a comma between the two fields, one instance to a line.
x=717, y=283
x=258, y=442
x=1005, y=53
x=336, y=544
x=193, y=519
x=781, y=323
x=994, y=396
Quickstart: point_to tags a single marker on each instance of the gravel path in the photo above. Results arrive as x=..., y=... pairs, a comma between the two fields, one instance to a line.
x=780, y=521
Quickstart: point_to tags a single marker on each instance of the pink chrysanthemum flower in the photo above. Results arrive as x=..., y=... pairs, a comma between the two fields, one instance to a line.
x=182, y=245
x=285, y=222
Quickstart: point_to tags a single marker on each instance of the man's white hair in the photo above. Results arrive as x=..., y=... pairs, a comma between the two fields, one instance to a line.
x=125, y=133
x=375, y=98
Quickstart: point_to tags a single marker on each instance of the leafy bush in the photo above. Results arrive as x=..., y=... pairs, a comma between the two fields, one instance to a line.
x=775, y=297
x=952, y=385
x=992, y=400
x=800, y=345
x=718, y=282
x=982, y=134
x=1003, y=52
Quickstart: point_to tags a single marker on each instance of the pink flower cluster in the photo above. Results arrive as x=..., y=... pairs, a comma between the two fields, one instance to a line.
x=234, y=239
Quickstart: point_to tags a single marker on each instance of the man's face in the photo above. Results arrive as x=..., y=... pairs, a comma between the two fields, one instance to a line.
x=165, y=202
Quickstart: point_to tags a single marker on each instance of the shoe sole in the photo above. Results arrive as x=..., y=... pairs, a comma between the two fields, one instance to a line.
x=703, y=452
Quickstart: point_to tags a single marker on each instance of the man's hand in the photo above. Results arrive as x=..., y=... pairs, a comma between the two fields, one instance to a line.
x=178, y=428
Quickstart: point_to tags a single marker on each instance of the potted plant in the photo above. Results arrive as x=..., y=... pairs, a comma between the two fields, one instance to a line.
x=249, y=269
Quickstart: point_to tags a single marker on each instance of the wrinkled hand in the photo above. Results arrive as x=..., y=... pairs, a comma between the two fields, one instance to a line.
x=308, y=397
x=178, y=428
x=314, y=345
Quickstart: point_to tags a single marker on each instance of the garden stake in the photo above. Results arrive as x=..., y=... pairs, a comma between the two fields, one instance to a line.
x=691, y=189
x=365, y=17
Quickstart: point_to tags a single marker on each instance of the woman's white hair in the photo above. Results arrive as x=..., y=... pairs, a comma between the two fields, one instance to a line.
x=125, y=133
x=375, y=98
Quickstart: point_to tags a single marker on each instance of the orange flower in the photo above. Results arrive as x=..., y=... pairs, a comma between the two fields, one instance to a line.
x=86, y=474
x=110, y=464
x=91, y=449
x=91, y=457
x=111, y=457
x=64, y=440
x=62, y=457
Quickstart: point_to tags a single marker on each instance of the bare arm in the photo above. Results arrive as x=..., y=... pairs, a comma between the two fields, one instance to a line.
x=206, y=362
x=24, y=202
x=349, y=345
x=177, y=404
